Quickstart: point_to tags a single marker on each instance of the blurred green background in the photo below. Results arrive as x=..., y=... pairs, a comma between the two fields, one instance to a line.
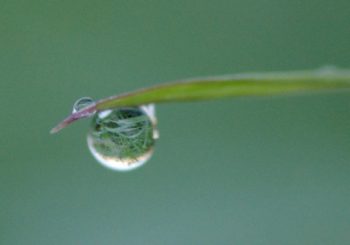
x=245, y=171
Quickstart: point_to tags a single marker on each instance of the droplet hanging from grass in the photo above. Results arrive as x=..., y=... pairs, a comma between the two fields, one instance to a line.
x=123, y=133
x=123, y=139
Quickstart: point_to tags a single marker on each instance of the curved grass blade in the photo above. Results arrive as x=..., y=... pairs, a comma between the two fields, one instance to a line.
x=258, y=84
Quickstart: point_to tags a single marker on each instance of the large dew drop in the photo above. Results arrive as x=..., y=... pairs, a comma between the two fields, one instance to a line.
x=123, y=139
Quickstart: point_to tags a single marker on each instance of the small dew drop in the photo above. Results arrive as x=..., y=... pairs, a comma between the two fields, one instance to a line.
x=82, y=103
x=123, y=139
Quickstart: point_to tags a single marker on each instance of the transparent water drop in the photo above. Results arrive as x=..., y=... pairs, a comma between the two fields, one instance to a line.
x=123, y=139
x=82, y=103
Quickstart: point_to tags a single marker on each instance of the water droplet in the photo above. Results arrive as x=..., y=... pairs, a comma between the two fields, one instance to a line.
x=82, y=103
x=123, y=139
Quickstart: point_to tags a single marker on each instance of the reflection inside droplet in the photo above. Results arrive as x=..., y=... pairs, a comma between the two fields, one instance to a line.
x=123, y=139
x=82, y=103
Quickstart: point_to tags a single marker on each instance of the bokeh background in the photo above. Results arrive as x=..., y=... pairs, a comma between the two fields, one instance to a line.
x=243, y=171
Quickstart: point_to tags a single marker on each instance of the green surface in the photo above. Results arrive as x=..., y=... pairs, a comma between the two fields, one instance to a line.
x=200, y=89
x=232, y=86
x=246, y=171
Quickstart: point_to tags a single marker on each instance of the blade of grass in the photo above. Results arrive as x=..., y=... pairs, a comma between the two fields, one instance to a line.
x=258, y=84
